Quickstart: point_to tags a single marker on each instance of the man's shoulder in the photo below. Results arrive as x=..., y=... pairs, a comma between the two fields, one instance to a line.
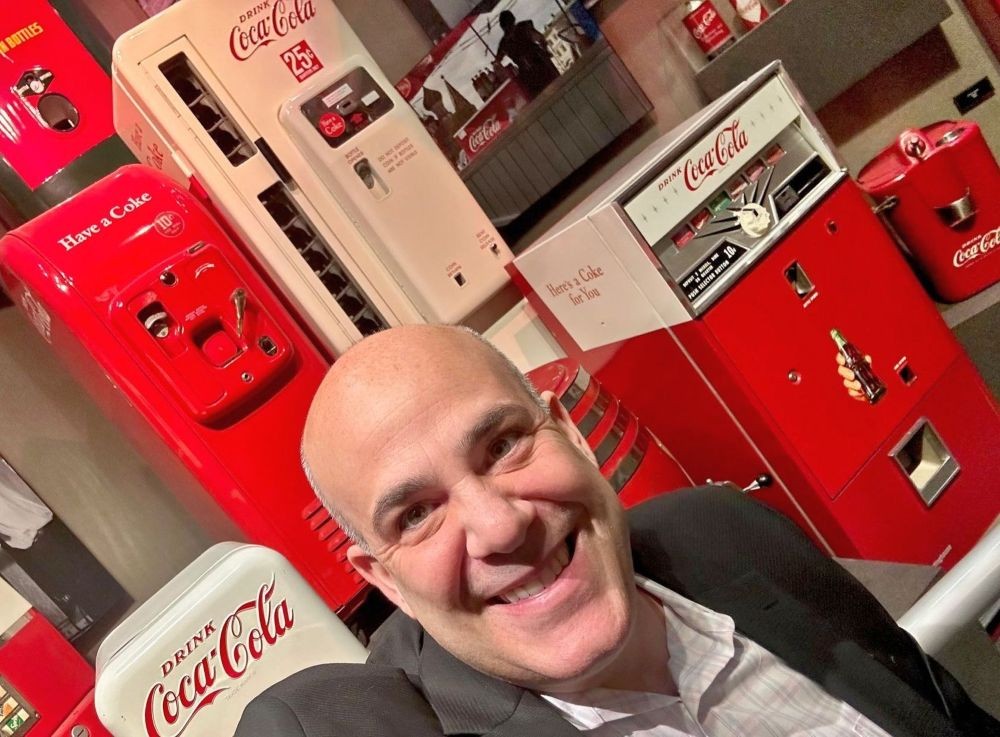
x=703, y=537
x=336, y=699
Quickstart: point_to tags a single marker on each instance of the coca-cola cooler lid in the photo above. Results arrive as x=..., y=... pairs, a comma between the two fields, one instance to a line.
x=235, y=621
x=893, y=162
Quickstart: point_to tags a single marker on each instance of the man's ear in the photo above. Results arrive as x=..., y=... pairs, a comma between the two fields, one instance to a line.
x=562, y=419
x=376, y=574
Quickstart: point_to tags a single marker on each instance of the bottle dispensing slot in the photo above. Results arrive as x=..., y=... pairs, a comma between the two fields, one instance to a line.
x=926, y=461
x=799, y=280
x=207, y=110
x=320, y=258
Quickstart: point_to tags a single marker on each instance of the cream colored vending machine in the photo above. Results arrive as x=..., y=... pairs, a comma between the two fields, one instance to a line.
x=276, y=114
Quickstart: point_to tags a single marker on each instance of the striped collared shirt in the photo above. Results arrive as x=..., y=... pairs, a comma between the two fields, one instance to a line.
x=727, y=686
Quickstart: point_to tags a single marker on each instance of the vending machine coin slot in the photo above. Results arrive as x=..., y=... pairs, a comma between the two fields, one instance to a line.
x=926, y=461
x=268, y=153
x=346, y=106
x=207, y=109
x=316, y=252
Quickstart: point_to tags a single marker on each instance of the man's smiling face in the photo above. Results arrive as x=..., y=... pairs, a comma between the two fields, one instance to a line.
x=484, y=515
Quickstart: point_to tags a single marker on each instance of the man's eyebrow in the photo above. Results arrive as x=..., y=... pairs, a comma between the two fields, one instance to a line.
x=491, y=420
x=395, y=497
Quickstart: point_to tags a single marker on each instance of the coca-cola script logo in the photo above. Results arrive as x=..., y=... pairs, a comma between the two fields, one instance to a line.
x=265, y=23
x=243, y=639
x=730, y=141
x=706, y=20
x=976, y=247
x=481, y=136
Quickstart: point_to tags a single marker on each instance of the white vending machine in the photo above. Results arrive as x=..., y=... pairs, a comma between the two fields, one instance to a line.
x=276, y=115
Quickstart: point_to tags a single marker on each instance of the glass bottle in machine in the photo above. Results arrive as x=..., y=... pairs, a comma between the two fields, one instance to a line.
x=871, y=385
x=704, y=23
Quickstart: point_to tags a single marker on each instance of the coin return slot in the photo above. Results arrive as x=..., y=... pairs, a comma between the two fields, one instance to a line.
x=267, y=345
x=459, y=279
x=318, y=255
x=799, y=280
x=207, y=110
x=926, y=461
x=907, y=375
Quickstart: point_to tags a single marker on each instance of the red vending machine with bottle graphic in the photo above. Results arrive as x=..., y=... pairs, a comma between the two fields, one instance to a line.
x=711, y=286
x=161, y=317
x=56, y=130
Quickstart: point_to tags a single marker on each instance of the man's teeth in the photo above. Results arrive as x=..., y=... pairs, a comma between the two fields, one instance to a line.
x=545, y=578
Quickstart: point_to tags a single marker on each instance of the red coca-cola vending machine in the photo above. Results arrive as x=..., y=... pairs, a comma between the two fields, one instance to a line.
x=711, y=285
x=166, y=323
x=56, y=130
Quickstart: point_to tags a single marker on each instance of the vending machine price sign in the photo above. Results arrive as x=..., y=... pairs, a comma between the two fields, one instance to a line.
x=16, y=714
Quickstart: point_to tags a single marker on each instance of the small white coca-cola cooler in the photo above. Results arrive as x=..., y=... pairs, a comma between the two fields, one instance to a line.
x=234, y=622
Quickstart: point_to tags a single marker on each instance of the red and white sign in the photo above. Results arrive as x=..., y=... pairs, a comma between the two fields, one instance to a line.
x=169, y=223
x=707, y=27
x=492, y=120
x=301, y=60
x=332, y=125
x=976, y=248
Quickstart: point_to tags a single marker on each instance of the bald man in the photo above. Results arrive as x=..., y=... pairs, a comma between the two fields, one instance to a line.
x=529, y=604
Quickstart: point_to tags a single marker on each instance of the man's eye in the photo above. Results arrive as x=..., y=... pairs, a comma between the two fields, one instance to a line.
x=415, y=515
x=502, y=446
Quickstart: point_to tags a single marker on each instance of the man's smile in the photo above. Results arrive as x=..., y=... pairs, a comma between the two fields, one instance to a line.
x=534, y=583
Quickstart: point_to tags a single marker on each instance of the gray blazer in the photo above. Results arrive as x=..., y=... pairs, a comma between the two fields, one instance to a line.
x=711, y=545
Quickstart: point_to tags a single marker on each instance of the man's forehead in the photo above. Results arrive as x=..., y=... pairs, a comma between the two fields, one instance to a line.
x=391, y=382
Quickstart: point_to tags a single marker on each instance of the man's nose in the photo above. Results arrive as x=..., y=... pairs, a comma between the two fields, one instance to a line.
x=494, y=522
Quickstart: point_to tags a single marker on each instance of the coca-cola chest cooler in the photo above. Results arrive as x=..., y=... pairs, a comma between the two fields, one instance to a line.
x=235, y=621
x=938, y=188
x=702, y=285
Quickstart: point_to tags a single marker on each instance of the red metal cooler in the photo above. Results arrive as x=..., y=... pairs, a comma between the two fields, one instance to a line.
x=183, y=343
x=938, y=188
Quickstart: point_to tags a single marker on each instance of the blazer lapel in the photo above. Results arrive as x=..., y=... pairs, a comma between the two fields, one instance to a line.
x=809, y=644
x=469, y=702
